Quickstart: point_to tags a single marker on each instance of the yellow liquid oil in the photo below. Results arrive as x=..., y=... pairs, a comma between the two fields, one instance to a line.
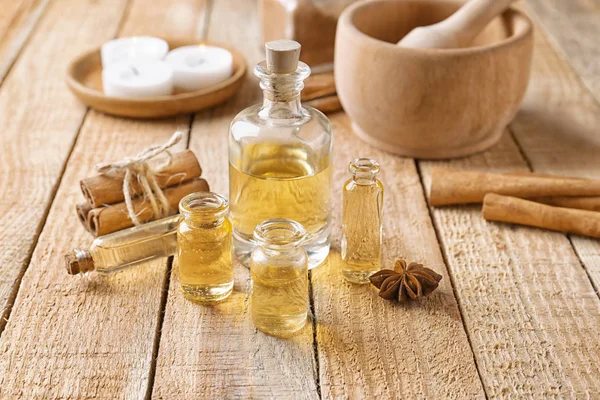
x=205, y=266
x=361, y=231
x=278, y=181
x=279, y=299
x=122, y=249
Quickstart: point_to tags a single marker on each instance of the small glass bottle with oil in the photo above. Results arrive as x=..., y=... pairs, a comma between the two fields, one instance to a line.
x=279, y=270
x=362, y=233
x=280, y=162
x=204, y=248
x=123, y=249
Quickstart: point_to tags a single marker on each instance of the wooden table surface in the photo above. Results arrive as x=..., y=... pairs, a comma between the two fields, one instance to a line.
x=517, y=313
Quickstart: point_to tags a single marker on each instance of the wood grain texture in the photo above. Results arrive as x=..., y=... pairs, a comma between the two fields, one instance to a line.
x=557, y=130
x=371, y=348
x=573, y=26
x=18, y=18
x=89, y=337
x=529, y=307
x=215, y=352
x=527, y=303
x=40, y=120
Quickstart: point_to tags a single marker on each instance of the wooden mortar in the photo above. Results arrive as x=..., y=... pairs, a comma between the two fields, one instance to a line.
x=429, y=103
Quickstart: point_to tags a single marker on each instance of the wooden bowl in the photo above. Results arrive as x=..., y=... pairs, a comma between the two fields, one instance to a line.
x=84, y=78
x=429, y=103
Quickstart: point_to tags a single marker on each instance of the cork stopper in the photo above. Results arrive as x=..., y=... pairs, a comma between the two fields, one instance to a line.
x=79, y=262
x=282, y=56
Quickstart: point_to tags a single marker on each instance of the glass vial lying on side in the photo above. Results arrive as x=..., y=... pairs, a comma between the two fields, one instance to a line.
x=362, y=233
x=279, y=270
x=123, y=249
x=204, y=248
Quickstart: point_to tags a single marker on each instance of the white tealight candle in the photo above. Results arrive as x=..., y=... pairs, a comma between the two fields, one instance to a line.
x=198, y=67
x=138, y=78
x=133, y=48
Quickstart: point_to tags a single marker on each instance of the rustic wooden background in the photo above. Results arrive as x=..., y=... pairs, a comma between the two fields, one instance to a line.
x=517, y=314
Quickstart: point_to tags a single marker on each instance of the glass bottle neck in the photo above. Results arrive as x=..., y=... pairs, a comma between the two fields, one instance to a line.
x=206, y=223
x=204, y=209
x=279, y=235
x=280, y=108
x=364, y=171
x=280, y=252
x=281, y=92
x=364, y=180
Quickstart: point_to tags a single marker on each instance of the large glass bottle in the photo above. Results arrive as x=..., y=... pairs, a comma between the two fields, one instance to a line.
x=123, y=249
x=362, y=209
x=280, y=157
x=279, y=270
x=204, y=248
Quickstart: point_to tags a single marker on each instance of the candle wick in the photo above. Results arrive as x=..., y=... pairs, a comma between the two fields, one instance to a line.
x=135, y=71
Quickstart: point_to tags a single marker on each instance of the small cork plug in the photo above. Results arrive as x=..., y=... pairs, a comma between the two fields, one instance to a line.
x=282, y=56
x=79, y=262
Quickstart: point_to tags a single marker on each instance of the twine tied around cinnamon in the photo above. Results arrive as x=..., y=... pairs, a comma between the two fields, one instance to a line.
x=139, y=168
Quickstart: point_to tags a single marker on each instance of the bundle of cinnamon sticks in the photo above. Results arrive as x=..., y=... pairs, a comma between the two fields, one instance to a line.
x=557, y=203
x=105, y=211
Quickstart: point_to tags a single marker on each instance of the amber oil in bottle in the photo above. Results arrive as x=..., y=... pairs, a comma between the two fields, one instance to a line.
x=281, y=180
x=280, y=158
x=362, y=233
x=126, y=248
x=204, y=248
x=279, y=270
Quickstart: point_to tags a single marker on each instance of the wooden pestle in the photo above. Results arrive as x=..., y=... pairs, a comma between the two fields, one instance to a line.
x=524, y=212
x=459, y=29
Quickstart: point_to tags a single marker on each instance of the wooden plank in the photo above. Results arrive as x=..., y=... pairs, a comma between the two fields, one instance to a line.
x=529, y=307
x=557, y=130
x=215, y=352
x=573, y=26
x=40, y=120
x=83, y=337
x=371, y=348
x=17, y=20
x=166, y=18
x=90, y=337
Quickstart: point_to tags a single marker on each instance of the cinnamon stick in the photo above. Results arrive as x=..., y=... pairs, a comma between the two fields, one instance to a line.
x=108, y=188
x=318, y=85
x=462, y=187
x=590, y=203
x=326, y=105
x=83, y=210
x=112, y=218
x=541, y=175
x=524, y=212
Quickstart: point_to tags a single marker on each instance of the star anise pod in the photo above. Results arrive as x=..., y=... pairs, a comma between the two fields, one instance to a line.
x=405, y=282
